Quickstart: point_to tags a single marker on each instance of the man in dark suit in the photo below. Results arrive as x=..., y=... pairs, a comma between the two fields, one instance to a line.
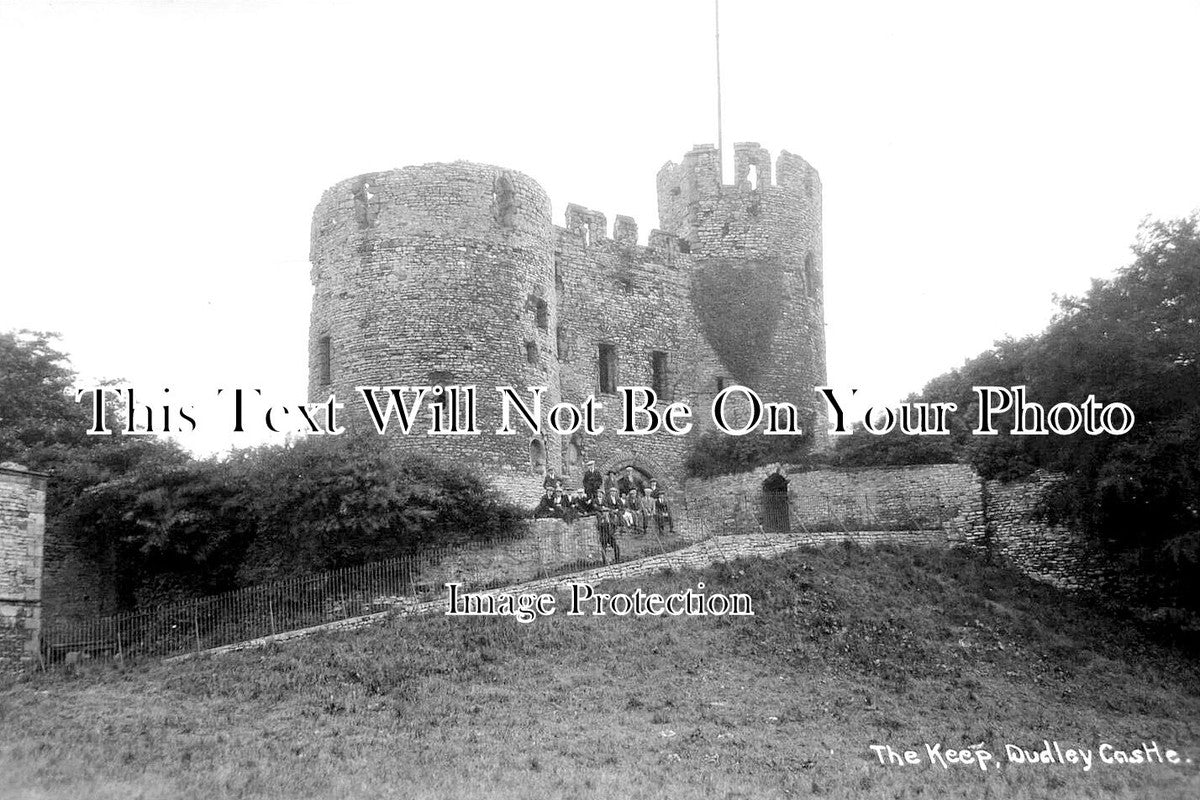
x=630, y=483
x=592, y=481
x=659, y=508
x=549, y=505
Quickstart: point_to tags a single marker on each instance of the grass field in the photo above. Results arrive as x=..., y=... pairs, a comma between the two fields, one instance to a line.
x=847, y=648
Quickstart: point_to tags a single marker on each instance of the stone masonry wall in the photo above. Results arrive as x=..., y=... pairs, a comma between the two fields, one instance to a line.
x=634, y=299
x=22, y=529
x=888, y=498
x=1055, y=554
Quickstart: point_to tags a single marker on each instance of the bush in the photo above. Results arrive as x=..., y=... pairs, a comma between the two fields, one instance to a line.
x=327, y=504
x=864, y=449
x=716, y=453
x=195, y=527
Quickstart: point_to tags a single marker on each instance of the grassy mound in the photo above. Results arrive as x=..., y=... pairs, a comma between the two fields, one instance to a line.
x=848, y=648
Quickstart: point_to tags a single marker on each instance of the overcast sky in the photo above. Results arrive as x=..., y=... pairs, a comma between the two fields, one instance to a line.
x=159, y=161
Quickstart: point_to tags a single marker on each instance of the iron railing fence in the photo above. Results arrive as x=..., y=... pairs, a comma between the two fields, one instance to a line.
x=240, y=614
x=304, y=601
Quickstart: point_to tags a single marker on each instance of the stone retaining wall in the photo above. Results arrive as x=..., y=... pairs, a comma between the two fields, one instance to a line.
x=1002, y=518
x=1055, y=554
x=885, y=498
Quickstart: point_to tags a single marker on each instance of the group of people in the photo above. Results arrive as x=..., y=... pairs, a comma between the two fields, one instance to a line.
x=618, y=503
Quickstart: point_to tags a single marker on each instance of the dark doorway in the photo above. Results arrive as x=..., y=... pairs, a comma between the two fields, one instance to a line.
x=775, y=514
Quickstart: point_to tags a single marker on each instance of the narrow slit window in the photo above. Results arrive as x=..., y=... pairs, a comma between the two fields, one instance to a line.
x=560, y=341
x=324, y=360
x=658, y=373
x=608, y=368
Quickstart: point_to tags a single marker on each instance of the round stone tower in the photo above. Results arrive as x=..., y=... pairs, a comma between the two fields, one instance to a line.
x=440, y=274
x=757, y=250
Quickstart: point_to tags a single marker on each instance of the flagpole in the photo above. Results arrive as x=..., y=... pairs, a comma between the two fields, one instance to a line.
x=720, y=139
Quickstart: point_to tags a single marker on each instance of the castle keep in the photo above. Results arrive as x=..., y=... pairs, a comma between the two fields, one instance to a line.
x=454, y=274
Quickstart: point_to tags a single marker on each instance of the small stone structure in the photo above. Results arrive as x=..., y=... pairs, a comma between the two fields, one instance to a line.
x=22, y=530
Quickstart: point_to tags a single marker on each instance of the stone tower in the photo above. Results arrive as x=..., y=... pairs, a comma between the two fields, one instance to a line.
x=441, y=274
x=766, y=227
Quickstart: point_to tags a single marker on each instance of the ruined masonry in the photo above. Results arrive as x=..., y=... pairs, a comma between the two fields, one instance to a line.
x=454, y=274
x=22, y=528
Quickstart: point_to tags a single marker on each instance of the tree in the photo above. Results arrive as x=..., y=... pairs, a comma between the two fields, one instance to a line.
x=44, y=428
x=1133, y=339
x=37, y=407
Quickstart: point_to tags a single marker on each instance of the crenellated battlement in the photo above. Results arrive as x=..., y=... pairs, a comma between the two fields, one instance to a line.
x=691, y=193
x=590, y=228
x=751, y=166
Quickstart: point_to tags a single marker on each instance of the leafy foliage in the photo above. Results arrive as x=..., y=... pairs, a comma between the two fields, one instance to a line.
x=864, y=449
x=203, y=526
x=1133, y=339
x=38, y=412
x=716, y=453
x=43, y=427
x=177, y=526
x=330, y=503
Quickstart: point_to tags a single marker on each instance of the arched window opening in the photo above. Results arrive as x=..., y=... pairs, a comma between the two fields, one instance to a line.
x=366, y=204
x=537, y=456
x=504, y=203
x=574, y=452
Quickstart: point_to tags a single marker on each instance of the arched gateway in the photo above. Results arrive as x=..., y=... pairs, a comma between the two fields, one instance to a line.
x=776, y=515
